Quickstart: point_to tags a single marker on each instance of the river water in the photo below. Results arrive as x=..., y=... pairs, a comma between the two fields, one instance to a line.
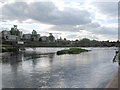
x=42, y=68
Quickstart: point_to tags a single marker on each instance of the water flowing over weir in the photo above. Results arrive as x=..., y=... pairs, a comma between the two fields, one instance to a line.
x=41, y=67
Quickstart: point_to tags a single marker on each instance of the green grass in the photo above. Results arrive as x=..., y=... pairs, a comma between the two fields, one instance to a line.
x=71, y=51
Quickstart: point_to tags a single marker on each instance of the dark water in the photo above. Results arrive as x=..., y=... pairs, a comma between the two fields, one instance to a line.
x=42, y=68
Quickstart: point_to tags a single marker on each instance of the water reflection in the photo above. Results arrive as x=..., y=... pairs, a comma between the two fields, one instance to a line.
x=51, y=56
x=35, y=69
x=15, y=58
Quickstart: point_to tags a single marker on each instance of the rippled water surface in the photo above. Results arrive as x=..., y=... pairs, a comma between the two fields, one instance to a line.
x=42, y=68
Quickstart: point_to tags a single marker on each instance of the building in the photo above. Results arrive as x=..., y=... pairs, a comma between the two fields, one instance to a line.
x=8, y=37
x=12, y=38
x=59, y=40
x=44, y=38
x=5, y=32
x=26, y=36
x=35, y=36
x=32, y=37
x=16, y=32
x=20, y=35
x=34, y=32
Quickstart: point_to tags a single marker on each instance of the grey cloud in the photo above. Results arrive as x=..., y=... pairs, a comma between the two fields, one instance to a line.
x=14, y=11
x=92, y=37
x=75, y=28
x=107, y=8
x=72, y=36
x=45, y=12
x=65, y=28
x=89, y=26
x=106, y=31
x=77, y=36
x=94, y=27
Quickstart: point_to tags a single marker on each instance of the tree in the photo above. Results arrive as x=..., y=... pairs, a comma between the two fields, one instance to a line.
x=14, y=31
x=51, y=37
x=76, y=40
x=65, y=39
x=40, y=39
x=85, y=42
x=34, y=33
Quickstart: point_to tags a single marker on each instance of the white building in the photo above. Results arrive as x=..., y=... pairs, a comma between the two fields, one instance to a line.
x=5, y=32
x=27, y=36
x=12, y=38
x=36, y=38
x=20, y=34
x=20, y=42
x=6, y=36
x=44, y=38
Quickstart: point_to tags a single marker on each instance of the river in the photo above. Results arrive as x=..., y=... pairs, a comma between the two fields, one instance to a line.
x=42, y=68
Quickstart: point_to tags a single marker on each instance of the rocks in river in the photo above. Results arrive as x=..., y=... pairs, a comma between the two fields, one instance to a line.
x=71, y=51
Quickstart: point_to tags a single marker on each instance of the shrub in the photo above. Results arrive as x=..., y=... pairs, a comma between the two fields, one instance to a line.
x=71, y=51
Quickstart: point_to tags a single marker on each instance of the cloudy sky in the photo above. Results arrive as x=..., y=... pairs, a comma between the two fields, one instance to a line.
x=71, y=19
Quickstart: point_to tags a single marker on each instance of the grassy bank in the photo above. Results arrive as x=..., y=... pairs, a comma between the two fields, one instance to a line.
x=71, y=51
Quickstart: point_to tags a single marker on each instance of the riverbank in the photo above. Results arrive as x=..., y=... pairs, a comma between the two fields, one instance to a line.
x=114, y=82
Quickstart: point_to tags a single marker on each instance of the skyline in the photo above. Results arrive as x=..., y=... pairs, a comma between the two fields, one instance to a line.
x=65, y=18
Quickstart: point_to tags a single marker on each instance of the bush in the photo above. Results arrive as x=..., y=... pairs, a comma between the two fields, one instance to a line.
x=71, y=51
x=62, y=52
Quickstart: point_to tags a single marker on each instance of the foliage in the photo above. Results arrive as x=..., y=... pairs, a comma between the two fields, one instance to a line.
x=34, y=33
x=51, y=37
x=71, y=51
x=14, y=31
x=76, y=50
